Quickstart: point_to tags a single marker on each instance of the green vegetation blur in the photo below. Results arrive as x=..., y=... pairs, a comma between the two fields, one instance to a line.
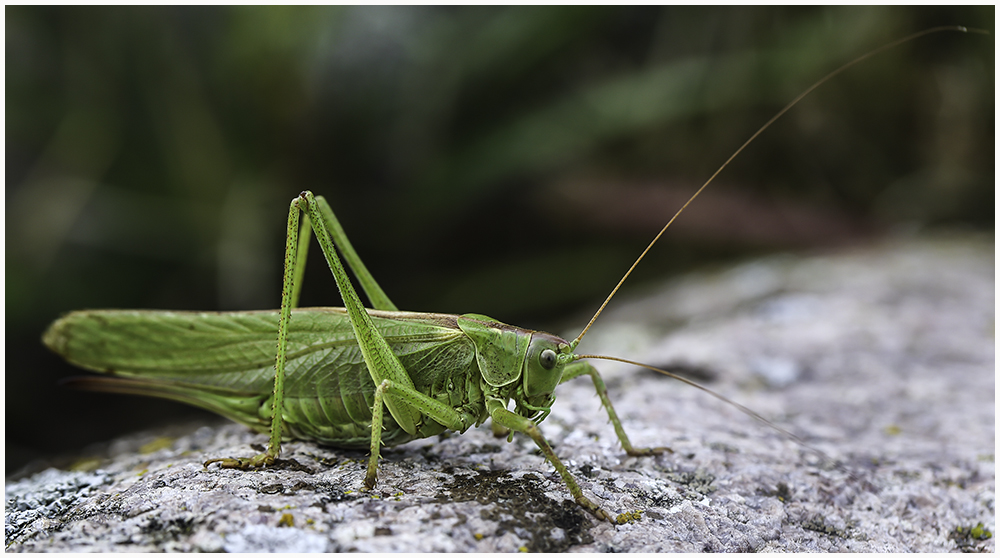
x=511, y=161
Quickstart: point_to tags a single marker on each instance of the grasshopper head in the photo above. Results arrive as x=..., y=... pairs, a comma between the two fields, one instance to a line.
x=543, y=369
x=525, y=365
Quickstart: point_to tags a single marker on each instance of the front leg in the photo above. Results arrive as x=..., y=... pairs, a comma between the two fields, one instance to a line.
x=581, y=368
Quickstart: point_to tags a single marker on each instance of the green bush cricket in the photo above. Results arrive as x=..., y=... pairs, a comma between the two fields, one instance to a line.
x=433, y=372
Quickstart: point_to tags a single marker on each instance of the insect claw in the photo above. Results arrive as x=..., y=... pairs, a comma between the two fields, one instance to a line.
x=602, y=515
x=244, y=463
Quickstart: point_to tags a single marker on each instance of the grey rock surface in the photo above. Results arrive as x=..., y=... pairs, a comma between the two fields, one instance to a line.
x=881, y=358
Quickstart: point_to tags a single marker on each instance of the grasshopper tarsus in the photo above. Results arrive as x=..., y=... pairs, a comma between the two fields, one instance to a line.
x=258, y=461
x=602, y=515
x=595, y=510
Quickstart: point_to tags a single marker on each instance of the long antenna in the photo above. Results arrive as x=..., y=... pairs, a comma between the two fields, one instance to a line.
x=744, y=409
x=766, y=125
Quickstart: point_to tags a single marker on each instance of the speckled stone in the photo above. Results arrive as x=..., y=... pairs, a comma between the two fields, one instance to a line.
x=882, y=358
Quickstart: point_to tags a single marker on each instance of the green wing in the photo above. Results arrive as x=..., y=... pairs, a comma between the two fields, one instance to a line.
x=224, y=362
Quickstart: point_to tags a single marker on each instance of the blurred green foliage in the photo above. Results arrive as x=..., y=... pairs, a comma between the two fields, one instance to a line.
x=504, y=160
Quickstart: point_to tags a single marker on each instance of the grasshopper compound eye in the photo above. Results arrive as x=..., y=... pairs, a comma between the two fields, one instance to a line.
x=548, y=359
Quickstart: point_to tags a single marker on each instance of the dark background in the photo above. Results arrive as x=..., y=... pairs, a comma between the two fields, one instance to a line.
x=510, y=161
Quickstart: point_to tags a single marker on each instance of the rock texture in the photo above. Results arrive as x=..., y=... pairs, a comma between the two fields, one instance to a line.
x=881, y=358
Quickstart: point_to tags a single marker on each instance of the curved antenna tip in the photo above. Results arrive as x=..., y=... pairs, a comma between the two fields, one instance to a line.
x=759, y=131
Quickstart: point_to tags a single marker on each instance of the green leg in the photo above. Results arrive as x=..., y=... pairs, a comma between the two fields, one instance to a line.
x=396, y=390
x=305, y=235
x=580, y=368
x=507, y=419
x=287, y=301
x=372, y=474
x=371, y=287
x=382, y=363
